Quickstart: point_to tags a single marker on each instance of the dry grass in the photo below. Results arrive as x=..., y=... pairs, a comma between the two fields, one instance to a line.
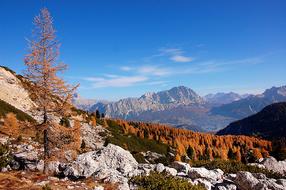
x=12, y=182
x=28, y=180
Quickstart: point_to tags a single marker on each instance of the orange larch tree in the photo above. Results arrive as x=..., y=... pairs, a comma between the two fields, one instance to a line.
x=52, y=96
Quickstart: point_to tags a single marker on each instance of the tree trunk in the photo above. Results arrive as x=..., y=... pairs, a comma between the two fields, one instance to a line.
x=45, y=117
x=46, y=144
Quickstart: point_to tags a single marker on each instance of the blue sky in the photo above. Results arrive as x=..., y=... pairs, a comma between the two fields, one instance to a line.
x=118, y=49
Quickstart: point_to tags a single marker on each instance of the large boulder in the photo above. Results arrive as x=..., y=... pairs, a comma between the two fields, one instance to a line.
x=247, y=180
x=181, y=167
x=210, y=175
x=84, y=166
x=116, y=158
x=112, y=164
x=272, y=164
x=52, y=168
x=159, y=168
x=281, y=182
x=268, y=184
x=171, y=171
x=91, y=136
x=26, y=157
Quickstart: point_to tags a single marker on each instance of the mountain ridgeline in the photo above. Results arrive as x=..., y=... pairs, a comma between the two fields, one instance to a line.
x=221, y=98
x=251, y=104
x=270, y=123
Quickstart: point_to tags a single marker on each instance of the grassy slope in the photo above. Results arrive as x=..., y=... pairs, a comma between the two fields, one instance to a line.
x=7, y=108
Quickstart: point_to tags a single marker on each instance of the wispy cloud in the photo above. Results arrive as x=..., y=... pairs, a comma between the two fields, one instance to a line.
x=174, y=54
x=181, y=58
x=126, y=68
x=152, y=74
x=149, y=70
x=119, y=81
x=153, y=70
x=168, y=51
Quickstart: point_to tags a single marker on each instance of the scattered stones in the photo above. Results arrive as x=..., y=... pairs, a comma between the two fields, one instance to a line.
x=113, y=164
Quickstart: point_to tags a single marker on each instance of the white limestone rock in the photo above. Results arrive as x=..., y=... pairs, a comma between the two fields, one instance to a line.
x=160, y=168
x=272, y=164
x=201, y=172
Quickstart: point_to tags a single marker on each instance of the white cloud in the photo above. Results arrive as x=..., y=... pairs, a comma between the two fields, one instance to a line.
x=125, y=68
x=153, y=70
x=162, y=83
x=169, y=51
x=174, y=54
x=119, y=81
x=111, y=75
x=181, y=58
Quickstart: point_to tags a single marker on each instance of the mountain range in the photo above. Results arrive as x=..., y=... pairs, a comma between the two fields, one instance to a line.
x=251, y=104
x=179, y=106
x=221, y=98
x=183, y=107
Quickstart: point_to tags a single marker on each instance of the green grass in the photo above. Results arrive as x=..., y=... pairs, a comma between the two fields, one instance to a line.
x=162, y=181
x=7, y=108
x=4, y=155
x=133, y=143
x=232, y=166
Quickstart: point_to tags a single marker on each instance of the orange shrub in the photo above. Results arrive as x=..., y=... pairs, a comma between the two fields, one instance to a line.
x=11, y=126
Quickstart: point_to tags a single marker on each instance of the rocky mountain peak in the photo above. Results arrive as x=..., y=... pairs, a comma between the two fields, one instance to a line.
x=275, y=92
x=223, y=98
x=179, y=95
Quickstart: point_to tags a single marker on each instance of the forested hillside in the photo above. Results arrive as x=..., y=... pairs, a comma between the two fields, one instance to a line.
x=198, y=146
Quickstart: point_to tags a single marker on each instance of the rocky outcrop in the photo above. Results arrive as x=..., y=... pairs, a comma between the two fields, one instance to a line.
x=91, y=136
x=247, y=180
x=182, y=168
x=111, y=164
x=26, y=156
x=272, y=164
x=210, y=175
x=12, y=91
